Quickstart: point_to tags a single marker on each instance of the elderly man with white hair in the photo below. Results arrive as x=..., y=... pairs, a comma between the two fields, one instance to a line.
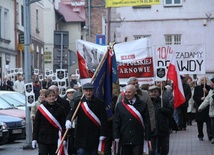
x=143, y=95
x=131, y=123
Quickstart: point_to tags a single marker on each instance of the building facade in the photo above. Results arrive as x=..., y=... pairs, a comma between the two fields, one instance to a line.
x=7, y=36
x=172, y=22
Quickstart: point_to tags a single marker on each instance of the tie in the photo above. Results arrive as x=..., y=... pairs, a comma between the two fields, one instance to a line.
x=131, y=102
x=89, y=103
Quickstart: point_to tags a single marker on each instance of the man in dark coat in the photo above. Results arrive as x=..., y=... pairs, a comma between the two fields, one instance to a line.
x=163, y=112
x=91, y=122
x=7, y=84
x=182, y=109
x=36, y=89
x=47, y=83
x=73, y=81
x=131, y=123
x=201, y=91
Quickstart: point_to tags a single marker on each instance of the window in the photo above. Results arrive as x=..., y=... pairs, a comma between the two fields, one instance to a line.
x=0, y=23
x=37, y=21
x=172, y=39
x=136, y=37
x=172, y=2
x=22, y=15
x=17, y=13
x=4, y=24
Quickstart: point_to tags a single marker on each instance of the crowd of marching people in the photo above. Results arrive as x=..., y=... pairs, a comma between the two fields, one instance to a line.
x=76, y=122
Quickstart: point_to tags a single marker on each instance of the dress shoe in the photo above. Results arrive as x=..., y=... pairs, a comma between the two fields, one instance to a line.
x=201, y=139
x=179, y=129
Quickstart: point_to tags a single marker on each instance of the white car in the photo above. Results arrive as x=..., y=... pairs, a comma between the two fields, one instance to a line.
x=15, y=99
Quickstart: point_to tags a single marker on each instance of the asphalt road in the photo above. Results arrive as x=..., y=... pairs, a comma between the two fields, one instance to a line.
x=16, y=148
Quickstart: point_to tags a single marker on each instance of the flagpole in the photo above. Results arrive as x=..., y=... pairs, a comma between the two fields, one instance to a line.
x=78, y=106
x=161, y=94
x=204, y=86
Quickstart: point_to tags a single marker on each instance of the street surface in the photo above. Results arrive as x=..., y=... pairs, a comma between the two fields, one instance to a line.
x=181, y=143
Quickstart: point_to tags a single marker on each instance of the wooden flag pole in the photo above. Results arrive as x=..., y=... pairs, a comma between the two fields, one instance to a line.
x=204, y=85
x=78, y=106
x=161, y=94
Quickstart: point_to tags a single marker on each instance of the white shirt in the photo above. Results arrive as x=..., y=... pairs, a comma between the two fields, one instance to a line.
x=19, y=86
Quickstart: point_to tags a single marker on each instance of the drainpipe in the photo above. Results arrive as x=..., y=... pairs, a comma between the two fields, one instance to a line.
x=108, y=24
x=89, y=18
x=58, y=22
x=15, y=35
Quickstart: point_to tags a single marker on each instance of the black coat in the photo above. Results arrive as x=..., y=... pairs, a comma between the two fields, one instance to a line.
x=162, y=115
x=65, y=104
x=46, y=85
x=36, y=90
x=87, y=133
x=198, y=94
x=43, y=131
x=72, y=83
x=7, y=86
x=187, y=94
x=127, y=128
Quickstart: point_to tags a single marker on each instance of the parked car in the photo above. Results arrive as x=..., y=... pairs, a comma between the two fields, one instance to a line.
x=4, y=133
x=15, y=126
x=7, y=109
x=14, y=98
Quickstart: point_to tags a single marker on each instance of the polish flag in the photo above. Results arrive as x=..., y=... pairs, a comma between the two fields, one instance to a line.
x=173, y=74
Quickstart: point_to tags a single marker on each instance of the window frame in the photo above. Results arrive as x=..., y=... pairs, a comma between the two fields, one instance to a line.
x=173, y=3
x=136, y=37
x=22, y=15
x=1, y=22
x=176, y=39
x=5, y=25
x=37, y=21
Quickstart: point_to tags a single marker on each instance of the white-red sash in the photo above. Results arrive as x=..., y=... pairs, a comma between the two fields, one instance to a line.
x=56, y=124
x=114, y=147
x=90, y=114
x=134, y=113
x=101, y=145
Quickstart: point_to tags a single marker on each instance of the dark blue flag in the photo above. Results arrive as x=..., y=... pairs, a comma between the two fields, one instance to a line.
x=106, y=82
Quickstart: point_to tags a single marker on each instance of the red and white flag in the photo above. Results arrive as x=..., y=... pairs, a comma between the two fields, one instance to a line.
x=173, y=74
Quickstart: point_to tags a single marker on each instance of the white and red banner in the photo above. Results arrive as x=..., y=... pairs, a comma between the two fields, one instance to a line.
x=89, y=56
x=134, y=58
x=137, y=58
x=190, y=58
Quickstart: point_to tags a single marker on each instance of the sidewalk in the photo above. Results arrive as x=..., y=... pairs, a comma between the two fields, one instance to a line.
x=187, y=142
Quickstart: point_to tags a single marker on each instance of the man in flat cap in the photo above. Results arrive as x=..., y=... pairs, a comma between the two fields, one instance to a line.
x=163, y=111
x=91, y=123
